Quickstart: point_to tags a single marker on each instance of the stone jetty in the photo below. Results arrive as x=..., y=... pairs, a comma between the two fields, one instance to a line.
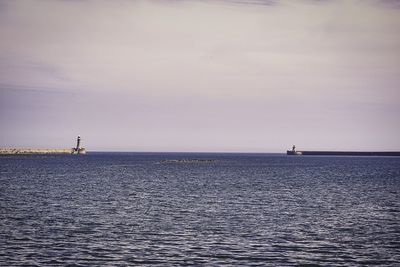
x=12, y=151
x=16, y=151
x=188, y=160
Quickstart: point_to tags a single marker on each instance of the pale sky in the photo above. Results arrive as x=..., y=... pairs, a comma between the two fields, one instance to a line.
x=217, y=76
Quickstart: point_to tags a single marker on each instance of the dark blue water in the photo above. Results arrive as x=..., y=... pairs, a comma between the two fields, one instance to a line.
x=110, y=209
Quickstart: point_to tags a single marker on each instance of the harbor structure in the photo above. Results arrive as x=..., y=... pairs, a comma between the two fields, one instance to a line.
x=78, y=150
x=294, y=152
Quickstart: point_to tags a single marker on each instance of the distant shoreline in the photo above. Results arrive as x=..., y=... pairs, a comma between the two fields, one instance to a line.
x=61, y=151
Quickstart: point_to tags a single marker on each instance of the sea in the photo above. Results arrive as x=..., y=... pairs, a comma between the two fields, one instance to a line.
x=199, y=209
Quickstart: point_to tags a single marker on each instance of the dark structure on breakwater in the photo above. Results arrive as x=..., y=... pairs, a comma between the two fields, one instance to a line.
x=78, y=149
x=294, y=152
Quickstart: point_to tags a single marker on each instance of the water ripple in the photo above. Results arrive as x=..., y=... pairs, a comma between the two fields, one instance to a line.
x=259, y=210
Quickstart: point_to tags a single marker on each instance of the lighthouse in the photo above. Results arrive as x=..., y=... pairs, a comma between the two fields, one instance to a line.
x=78, y=142
x=78, y=149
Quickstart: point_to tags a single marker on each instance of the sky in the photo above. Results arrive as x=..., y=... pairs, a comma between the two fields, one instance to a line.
x=200, y=76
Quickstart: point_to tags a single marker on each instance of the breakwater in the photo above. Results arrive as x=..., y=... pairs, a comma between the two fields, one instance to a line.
x=15, y=151
x=188, y=160
x=345, y=153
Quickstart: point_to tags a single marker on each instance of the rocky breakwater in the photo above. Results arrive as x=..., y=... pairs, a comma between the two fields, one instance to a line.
x=188, y=160
x=16, y=151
